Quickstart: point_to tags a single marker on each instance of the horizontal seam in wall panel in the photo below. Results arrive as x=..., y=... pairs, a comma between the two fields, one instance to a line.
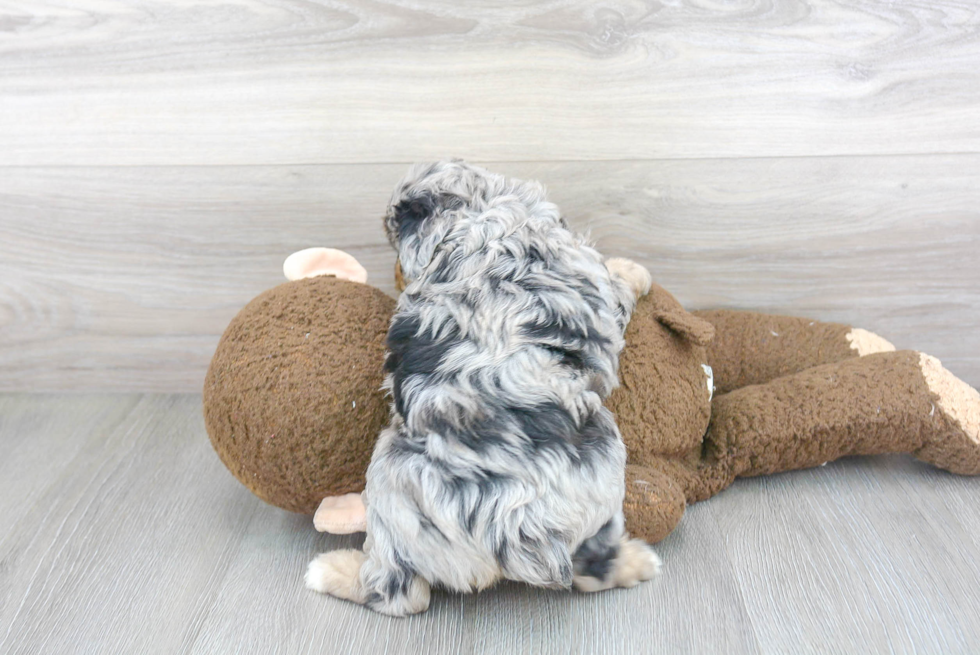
x=904, y=155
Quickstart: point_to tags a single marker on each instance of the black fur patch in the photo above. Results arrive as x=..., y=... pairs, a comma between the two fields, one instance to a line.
x=410, y=213
x=569, y=358
x=546, y=426
x=594, y=558
x=500, y=553
x=562, y=334
x=481, y=489
x=396, y=582
x=551, y=426
x=412, y=353
x=426, y=523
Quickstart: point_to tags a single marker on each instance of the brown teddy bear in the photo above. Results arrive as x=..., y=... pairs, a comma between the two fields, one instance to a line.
x=293, y=398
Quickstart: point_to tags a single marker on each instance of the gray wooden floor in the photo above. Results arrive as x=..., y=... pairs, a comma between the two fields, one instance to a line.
x=158, y=161
x=123, y=533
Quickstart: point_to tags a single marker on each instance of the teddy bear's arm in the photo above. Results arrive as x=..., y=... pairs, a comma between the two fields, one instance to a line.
x=752, y=348
x=890, y=402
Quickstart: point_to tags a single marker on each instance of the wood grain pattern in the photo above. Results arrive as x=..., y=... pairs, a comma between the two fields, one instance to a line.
x=129, y=536
x=123, y=549
x=293, y=81
x=872, y=575
x=124, y=278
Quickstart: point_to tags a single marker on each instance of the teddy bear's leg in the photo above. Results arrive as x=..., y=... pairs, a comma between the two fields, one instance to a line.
x=890, y=402
x=959, y=404
x=654, y=502
x=751, y=348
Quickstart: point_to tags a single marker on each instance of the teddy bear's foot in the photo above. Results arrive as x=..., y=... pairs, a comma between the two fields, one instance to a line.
x=338, y=573
x=958, y=406
x=867, y=343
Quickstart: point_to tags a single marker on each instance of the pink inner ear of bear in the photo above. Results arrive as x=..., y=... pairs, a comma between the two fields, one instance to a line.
x=323, y=261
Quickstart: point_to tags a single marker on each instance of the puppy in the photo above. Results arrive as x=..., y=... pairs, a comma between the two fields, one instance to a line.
x=500, y=461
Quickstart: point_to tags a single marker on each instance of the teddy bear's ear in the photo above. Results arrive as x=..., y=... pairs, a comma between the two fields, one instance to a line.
x=323, y=261
x=689, y=326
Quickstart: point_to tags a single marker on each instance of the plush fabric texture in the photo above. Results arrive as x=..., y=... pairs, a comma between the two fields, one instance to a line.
x=654, y=502
x=292, y=399
x=295, y=417
x=862, y=406
x=752, y=348
x=662, y=405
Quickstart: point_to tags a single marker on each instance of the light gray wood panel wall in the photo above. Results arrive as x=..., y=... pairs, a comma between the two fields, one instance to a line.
x=124, y=278
x=159, y=160
x=289, y=81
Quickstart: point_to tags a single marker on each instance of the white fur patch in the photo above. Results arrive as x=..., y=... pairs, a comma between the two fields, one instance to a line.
x=337, y=573
x=635, y=563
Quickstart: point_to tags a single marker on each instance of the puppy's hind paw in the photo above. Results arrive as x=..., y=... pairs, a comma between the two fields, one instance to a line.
x=636, y=277
x=636, y=563
x=337, y=573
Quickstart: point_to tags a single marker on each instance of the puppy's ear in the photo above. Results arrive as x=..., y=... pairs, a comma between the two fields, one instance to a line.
x=411, y=213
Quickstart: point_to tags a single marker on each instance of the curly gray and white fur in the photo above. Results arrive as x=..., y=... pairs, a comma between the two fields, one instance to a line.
x=500, y=460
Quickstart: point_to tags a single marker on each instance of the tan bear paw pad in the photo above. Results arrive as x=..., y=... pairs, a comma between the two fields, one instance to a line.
x=337, y=573
x=637, y=277
x=958, y=400
x=867, y=343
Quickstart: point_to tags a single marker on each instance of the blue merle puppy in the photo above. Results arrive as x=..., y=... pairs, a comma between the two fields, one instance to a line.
x=500, y=461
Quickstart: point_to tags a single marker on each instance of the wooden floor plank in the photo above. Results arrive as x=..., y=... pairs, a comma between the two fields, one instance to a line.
x=265, y=581
x=123, y=550
x=859, y=555
x=39, y=443
x=143, y=541
x=140, y=539
x=124, y=278
x=287, y=81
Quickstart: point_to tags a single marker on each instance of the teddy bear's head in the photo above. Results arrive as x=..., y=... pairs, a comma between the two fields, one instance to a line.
x=292, y=399
x=663, y=403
